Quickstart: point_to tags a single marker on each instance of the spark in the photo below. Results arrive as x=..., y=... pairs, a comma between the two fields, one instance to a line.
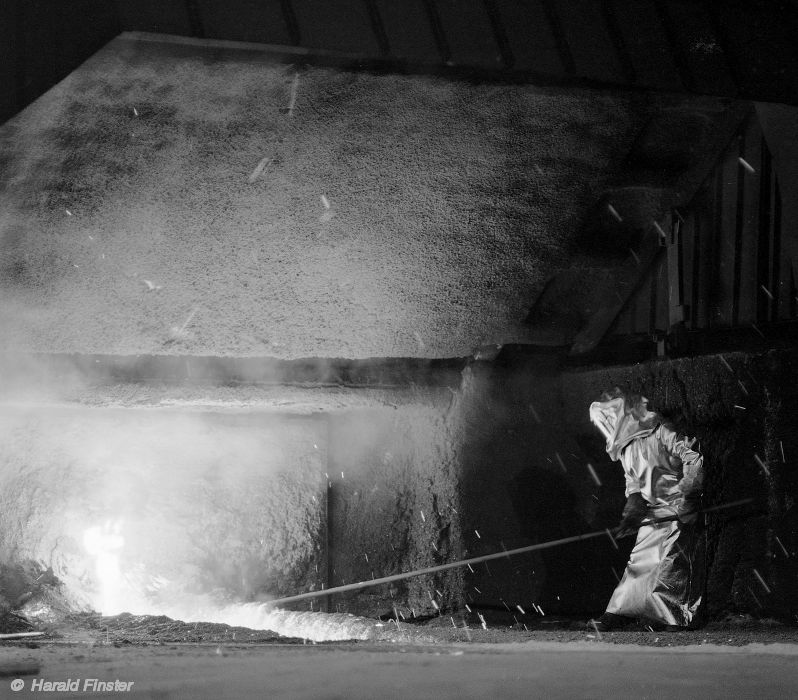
x=521, y=609
x=753, y=325
x=746, y=164
x=439, y=593
x=325, y=202
x=761, y=581
x=742, y=386
x=505, y=604
x=467, y=608
x=559, y=459
x=435, y=547
x=326, y=475
x=477, y=590
x=516, y=620
x=783, y=548
x=401, y=614
x=753, y=595
x=727, y=365
x=179, y=333
x=259, y=168
x=470, y=569
x=135, y=112
x=292, y=100
x=454, y=510
x=367, y=557
x=69, y=213
x=541, y=611
x=452, y=619
x=614, y=212
x=342, y=475
x=593, y=474
x=635, y=256
x=762, y=464
x=742, y=408
x=783, y=458
x=435, y=605
x=423, y=519
x=612, y=539
x=151, y=287
x=595, y=627
x=476, y=532
x=766, y=291
x=660, y=231
x=482, y=621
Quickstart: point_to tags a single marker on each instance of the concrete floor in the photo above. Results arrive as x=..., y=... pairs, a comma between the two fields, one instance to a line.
x=517, y=670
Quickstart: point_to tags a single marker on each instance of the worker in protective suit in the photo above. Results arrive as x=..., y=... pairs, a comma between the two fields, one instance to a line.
x=663, y=480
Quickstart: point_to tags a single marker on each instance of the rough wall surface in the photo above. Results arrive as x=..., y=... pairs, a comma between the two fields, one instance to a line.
x=395, y=505
x=171, y=198
x=526, y=481
x=203, y=503
x=742, y=409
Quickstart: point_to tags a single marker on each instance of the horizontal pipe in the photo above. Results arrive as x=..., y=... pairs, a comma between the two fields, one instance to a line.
x=474, y=560
x=432, y=569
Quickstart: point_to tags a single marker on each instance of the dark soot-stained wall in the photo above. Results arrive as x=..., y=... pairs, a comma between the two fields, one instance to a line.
x=739, y=409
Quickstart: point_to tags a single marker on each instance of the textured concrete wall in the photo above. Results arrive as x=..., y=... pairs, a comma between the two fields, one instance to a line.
x=526, y=481
x=740, y=407
x=395, y=505
x=162, y=199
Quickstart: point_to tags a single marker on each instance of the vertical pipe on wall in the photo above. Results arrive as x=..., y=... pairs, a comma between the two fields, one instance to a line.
x=695, y=278
x=766, y=297
x=739, y=222
x=775, y=282
x=715, y=252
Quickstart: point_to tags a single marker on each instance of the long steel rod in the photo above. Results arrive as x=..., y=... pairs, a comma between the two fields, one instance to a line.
x=473, y=560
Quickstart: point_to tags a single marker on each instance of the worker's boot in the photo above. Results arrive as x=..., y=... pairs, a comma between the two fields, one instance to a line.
x=608, y=622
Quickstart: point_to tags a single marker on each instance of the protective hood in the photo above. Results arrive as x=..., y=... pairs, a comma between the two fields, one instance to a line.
x=621, y=422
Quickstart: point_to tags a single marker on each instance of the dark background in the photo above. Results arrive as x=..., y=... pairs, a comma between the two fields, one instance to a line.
x=734, y=48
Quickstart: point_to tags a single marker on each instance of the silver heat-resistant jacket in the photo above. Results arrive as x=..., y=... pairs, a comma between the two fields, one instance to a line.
x=661, y=581
x=658, y=463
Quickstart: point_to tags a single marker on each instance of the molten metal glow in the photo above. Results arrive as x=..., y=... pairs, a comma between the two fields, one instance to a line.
x=105, y=543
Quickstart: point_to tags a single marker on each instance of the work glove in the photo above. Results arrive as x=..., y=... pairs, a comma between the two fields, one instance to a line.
x=633, y=513
x=687, y=510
